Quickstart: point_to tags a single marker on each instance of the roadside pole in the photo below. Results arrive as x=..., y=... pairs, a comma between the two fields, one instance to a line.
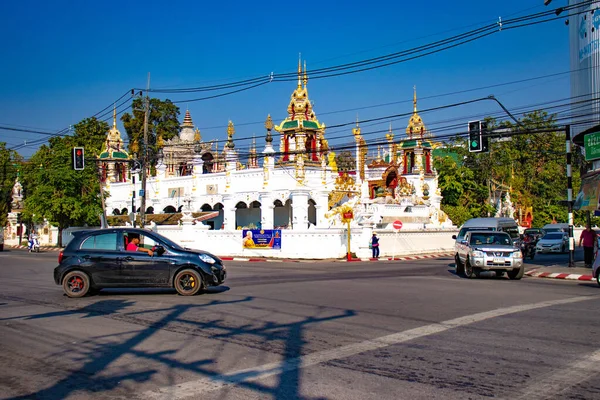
x=347, y=217
x=397, y=225
x=570, y=197
x=144, y=158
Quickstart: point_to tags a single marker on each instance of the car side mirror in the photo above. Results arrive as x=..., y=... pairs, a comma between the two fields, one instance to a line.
x=454, y=237
x=159, y=250
x=464, y=242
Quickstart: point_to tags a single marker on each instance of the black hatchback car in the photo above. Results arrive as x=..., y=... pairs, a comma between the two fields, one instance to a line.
x=130, y=257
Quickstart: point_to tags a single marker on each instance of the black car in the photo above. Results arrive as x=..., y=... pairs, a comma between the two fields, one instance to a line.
x=130, y=257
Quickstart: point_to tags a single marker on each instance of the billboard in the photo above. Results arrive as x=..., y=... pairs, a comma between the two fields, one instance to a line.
x=261, y=238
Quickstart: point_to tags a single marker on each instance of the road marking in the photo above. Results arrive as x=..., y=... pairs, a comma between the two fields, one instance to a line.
x=208, y=384
x=563, y=378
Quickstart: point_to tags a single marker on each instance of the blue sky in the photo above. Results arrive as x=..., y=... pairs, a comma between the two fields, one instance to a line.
x=64, y=61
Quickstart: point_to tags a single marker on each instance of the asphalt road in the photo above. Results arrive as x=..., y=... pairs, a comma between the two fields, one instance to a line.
x=383, y=330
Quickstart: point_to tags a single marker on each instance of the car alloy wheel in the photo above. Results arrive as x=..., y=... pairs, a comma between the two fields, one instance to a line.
x=469, y=270
x=188, y=282
x=76, y=284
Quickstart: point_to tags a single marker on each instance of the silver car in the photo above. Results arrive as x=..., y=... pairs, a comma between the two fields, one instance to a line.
x=489, y=251
x=553, y=242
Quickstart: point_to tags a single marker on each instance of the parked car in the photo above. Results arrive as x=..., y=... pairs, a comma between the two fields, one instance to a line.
x=489, y=251
x=560, y=227
x=98, y=258
x=596, y=269
x=553, y=242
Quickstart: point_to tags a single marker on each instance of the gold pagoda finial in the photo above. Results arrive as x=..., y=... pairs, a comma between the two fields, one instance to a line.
x=378, y=153
x=390, y=135
x=299, y=70
x=230, y=132
x=356, y=131
x=115, y=117
x=415, y=98
x=197, y=136
x=269, y=127
x=305, y=80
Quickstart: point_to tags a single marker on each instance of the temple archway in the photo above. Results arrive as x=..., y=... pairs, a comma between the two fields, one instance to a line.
x=169, y=210
x=124, y=211
x=207, y=167
x=312, y=212
x=116, y=211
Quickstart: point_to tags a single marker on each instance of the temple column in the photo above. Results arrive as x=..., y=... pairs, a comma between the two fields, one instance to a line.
x=266, y=210
x=300, y=209
x=228, y=213
x=322, y=207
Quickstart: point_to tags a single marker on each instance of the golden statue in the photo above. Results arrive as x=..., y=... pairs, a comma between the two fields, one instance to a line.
x=332, y=163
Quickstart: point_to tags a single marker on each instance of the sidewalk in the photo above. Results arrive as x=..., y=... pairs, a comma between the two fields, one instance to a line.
x=577, y=273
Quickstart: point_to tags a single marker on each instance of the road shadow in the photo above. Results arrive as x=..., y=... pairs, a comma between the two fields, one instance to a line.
x=287, y=339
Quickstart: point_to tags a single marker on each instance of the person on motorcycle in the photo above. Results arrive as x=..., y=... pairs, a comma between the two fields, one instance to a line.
x=33, y=240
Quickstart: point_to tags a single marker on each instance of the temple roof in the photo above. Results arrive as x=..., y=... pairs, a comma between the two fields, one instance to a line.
x=113, y=147
x=416, y=126
x=300, y=110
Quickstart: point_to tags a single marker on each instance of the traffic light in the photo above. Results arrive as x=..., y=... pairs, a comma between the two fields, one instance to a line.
x=478, y=139
x=78, y=158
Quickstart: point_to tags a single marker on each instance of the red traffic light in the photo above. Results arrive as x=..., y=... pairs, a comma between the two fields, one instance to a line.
x=78, y=152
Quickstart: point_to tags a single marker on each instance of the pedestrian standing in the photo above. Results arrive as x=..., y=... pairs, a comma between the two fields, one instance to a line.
x=375, y=245
x=588, y=238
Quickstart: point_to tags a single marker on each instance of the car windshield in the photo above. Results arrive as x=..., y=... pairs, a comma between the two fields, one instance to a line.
x=554, y=236
x=490, y=238
x=464, y=231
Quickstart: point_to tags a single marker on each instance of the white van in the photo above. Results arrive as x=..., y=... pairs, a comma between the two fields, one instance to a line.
x=563, y=227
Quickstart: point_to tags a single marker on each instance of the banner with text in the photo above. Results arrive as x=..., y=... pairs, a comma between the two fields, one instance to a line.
x=261, y=238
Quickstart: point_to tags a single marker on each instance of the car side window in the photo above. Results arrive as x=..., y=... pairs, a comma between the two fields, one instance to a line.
x=105, y=241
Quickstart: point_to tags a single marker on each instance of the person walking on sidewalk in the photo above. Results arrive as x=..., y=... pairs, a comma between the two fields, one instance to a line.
x=375, y=245
x=588, y=238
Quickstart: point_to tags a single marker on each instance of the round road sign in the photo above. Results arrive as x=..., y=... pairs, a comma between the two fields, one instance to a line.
x=397, y=224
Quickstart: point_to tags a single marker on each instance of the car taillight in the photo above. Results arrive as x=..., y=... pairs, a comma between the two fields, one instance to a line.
x=60, y=257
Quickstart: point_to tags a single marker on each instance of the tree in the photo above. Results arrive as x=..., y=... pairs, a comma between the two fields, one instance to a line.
x=345, y=161
x=56, y=192
x=162, y=122
x=529, y=161
x=9, y=161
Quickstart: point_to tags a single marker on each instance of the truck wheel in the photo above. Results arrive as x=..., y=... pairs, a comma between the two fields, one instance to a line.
x=598, y=278
x=188, y=282
x=76, y=284
x=470, y=272
x=516, y=273
x=460, y=268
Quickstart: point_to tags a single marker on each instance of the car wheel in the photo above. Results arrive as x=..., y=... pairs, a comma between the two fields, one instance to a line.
x=188, y=282
x=460, y=268
x=516, y=273
x=470, y=272
x=76, y=284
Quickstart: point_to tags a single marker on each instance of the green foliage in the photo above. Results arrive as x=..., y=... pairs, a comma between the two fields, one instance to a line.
x=345, y=161
x=9, y=161
x=56, y=192
x=531, y=165
x=162, y=122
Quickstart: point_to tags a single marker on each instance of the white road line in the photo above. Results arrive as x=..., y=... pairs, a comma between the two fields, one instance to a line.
x=563, y=378
x=207, y=384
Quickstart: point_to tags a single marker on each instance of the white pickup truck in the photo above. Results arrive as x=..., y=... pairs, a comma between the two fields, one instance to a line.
x=488, y=251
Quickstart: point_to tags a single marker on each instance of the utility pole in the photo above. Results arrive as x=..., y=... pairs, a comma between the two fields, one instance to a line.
x=570, y=197
x=145, y=157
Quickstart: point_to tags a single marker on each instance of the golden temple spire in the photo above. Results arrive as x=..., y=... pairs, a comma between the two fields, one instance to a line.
x=299, y=70
x=415, y=98
x=115, y=117
x=305, y=80
x=390, y=135
x=356, y=131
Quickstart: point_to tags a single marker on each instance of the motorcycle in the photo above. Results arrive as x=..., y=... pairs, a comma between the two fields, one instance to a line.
x=34, y=245
x=528, y=246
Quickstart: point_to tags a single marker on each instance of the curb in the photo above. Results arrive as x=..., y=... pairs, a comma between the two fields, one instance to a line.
x=42, y=248
x=556, y=275
x=404, y=258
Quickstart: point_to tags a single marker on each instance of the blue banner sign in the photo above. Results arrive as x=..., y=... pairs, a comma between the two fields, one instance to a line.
x=261, y=238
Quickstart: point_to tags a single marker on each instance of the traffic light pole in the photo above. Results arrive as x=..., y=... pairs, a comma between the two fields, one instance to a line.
x=144, y=158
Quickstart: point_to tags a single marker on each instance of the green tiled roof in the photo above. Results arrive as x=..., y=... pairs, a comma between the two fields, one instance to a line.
x=409, y=144
x=290, y=124
x=116, y=154
x=310, y=124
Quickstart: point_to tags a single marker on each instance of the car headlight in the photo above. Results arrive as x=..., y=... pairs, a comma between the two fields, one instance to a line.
x=476, y=253
x=517, y=254
x=207, y=259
